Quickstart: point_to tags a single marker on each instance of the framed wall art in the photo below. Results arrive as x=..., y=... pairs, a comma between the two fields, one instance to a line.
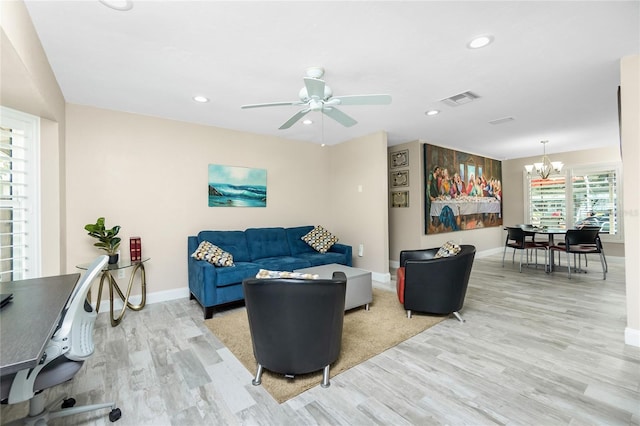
x=463, y=191
x=399, y=159
x=399, y=178
x=231, y=186
x=400, y=199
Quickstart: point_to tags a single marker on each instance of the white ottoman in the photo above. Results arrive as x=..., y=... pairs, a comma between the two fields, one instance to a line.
x=359, y=290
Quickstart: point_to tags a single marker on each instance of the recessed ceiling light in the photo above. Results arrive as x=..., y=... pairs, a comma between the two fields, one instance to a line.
x=121, y=5
x=480, y=41
x=432, y=112
x=307, y=122
x=201, y=99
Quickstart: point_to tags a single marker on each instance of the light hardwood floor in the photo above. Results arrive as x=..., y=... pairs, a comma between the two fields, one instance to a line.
x=536, y=349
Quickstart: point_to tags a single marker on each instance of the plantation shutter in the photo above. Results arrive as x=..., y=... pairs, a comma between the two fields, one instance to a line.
x=595, y=199
x=18, y=195
x=547, y=202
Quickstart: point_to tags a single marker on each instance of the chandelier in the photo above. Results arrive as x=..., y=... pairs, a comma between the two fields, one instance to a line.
x=546, y=167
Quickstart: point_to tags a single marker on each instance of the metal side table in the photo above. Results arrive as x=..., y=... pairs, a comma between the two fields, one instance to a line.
x=107, y=275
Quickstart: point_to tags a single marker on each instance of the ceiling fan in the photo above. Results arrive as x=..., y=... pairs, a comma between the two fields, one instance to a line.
x=317, y=96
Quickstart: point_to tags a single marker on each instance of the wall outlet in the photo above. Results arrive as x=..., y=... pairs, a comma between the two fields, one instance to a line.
x=120, y=273
x=361, y=250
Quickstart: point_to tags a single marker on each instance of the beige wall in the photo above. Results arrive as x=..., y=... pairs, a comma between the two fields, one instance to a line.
x=358, y=176
x=630, y=95
x=149, y=175
x=29, y=85
x=406, y=224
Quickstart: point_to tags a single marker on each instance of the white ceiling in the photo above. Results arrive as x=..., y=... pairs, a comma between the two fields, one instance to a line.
x=553, y=67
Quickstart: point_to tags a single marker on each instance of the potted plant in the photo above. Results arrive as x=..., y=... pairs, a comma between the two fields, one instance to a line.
x=107, y=239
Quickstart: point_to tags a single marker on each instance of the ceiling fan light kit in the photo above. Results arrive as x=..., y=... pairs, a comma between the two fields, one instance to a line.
x=316, y=95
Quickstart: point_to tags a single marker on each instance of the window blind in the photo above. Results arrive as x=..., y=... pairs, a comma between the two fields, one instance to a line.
x=547, y=202
x=584, y=196
x=13, y=204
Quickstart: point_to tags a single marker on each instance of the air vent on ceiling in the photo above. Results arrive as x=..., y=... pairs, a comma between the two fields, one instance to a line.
x=460, y=99
x=501, y=120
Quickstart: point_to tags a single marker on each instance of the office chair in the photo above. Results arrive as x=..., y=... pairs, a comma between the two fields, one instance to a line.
x=68, y=348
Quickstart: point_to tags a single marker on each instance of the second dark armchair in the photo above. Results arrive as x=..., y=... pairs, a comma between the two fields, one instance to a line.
x=434, y=285
x=295, y=324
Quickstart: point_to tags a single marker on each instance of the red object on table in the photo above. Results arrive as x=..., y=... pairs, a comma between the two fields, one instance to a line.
x=135, y=249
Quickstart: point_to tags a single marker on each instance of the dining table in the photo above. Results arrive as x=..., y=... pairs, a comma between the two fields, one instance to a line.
x=550, y=234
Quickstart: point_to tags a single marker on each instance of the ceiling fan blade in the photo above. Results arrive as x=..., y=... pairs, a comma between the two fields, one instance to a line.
x=339, y=116
x=297, y=116
x=271, y=104
x=362, y=100
x=315, y=88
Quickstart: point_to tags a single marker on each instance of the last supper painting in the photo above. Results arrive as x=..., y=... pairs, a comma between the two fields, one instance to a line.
x=462, y=191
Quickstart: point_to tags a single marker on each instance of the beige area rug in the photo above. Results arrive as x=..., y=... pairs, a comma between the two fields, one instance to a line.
x=364, y=335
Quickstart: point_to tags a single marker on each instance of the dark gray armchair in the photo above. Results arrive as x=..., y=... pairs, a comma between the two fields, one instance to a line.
x=434, y=285
x=295, y=324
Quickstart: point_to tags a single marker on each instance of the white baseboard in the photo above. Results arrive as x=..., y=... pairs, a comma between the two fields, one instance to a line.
x=156, y=297
x=381, y=277
x=632, y=337
x=484, y=253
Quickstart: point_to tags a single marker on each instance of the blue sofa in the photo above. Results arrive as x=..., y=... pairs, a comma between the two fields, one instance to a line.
x=277, y=249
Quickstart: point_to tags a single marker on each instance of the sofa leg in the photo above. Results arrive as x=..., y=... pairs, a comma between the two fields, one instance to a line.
x=325, y=377
x=408, y=313
x=258, y=379
x=191, y=296
x=457, y=315
x=209, y=311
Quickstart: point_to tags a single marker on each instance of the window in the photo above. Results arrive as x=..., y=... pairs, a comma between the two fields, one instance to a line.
x=584, y=195
x=19, y=195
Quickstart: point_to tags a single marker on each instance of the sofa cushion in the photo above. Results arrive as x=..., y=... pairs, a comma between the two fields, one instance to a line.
x=320, y=239
x=284, y=263
x=448, y=249
x=234, y=242
x=296, y=243
x=317, y=259
x=267, y=242
x=233, y=276
x=212, y=254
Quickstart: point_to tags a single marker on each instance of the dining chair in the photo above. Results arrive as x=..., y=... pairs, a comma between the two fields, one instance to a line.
x=530, y=236
x=517, y=240
x=582, y=241
x=597, y=243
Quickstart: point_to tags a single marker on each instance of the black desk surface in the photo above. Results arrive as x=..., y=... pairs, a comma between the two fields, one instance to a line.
x=27, y=323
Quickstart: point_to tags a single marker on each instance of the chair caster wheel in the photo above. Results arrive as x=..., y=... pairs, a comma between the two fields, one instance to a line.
x=115, y=414
x=68, y=403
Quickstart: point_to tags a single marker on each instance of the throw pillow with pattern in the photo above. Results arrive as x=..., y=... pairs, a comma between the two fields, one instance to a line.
x=320, y=239
x=213, y=254
x=448, y=249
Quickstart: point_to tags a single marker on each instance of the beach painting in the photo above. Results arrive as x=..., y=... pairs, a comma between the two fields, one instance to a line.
x=231, y=186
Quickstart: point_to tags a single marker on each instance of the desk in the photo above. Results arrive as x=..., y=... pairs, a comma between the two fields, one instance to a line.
x=107, y=275
x=29, y=321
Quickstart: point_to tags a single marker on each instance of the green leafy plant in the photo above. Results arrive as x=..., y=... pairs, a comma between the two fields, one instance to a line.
x=107, y=239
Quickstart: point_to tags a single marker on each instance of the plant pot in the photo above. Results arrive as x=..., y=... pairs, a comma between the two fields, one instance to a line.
x=113, y=258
